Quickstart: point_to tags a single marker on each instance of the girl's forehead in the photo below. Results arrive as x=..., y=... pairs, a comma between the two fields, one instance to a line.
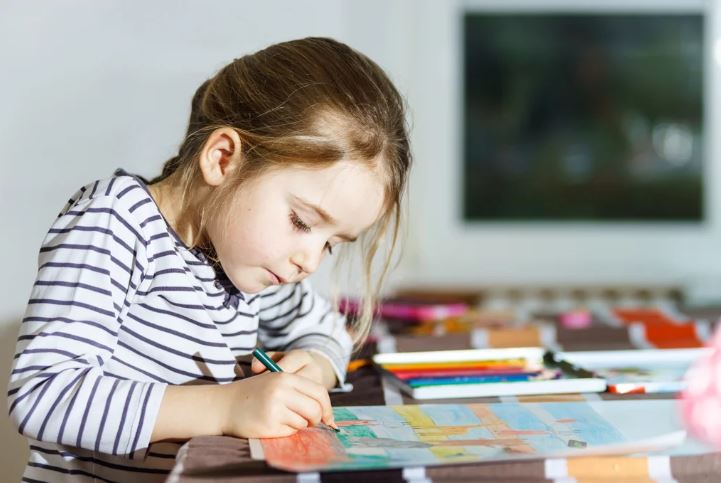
x=352, y=193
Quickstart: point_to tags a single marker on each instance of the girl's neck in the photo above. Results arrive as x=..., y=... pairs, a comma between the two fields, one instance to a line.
x=176, y=211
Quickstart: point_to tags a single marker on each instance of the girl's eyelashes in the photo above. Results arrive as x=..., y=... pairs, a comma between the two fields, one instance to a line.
x=299, y=224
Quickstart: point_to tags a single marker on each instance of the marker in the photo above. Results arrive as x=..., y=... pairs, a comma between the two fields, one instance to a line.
x=270, y=364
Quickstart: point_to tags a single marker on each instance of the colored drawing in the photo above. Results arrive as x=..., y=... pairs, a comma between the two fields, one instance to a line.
x=375, y=437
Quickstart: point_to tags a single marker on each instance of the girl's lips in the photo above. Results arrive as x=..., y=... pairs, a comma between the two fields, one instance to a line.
x=276, y=279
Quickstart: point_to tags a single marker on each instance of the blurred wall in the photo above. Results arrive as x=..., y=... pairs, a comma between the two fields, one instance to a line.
x=87, y=87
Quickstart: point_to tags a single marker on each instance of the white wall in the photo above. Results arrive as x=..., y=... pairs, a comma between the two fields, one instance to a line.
x=89, y=86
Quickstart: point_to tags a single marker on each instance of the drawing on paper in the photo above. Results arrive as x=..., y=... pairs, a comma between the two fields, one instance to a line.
x=376, y=437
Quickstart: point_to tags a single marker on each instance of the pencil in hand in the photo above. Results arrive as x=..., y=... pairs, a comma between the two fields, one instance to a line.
x=270, y=364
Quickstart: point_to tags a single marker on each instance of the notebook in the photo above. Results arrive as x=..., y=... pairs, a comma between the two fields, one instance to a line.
x=484, y=372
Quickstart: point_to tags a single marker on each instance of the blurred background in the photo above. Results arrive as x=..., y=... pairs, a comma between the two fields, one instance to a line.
x=560, y=145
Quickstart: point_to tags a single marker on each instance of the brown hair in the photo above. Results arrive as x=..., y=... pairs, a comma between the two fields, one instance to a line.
x=308, y=102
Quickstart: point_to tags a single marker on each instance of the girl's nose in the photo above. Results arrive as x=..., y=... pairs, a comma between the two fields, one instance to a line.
x=308, y=259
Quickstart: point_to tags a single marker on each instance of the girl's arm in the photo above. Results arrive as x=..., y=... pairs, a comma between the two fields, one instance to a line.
x=295, y=317
x=268, y=405
x=90, y=265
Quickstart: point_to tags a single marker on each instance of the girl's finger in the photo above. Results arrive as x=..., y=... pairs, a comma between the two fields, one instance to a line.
x=257, y=367
x=306, y=407
x=320, y=394
x=293, y=361
x=294, y=420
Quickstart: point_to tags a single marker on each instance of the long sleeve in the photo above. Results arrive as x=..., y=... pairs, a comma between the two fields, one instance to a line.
x=701, y=402
x=90, y=266
x=295, y=317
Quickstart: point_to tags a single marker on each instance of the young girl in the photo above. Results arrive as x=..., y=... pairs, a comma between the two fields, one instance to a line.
x=147, y=294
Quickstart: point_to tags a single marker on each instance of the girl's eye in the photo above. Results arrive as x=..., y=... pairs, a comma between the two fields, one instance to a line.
x=298, y=223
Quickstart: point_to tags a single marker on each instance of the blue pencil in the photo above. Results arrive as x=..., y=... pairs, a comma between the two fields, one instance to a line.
x=439, y=381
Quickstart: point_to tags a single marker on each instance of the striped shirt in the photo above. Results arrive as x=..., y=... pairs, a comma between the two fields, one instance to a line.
x=120, y=309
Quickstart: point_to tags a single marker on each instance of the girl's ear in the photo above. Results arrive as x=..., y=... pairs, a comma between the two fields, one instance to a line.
x=221, y=154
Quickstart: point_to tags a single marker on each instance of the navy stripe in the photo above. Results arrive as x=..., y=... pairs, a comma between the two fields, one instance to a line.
x=67, y=471
x=72, y=303
x=47, y=351
x=92, y=288
x=125, y=191
x=176, y=315
x=137, y=369
x=134, y=446
x=150, y=220
x=184, y=355
x=121, y=426
x=66, y=416
x=92, y=229
x=41, y=383
x=66, y=336
x=84, y=419
x=92, y=193
x=175, y=332
x=139, y=204
x=75, y=246
x=174, y=369
x=101, y=428
x=83, y=266
x=56, y=402
x=29, y=414
x=70, y=321
x=110, y=186
x=90, y=459
x=286, y=314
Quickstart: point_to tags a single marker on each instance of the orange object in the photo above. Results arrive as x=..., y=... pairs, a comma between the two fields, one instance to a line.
x=356, y=364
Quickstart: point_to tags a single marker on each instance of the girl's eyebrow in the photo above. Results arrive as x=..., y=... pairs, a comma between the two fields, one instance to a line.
x=325, y=216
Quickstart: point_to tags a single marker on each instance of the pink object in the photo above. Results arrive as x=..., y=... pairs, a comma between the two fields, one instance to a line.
x=576, y=319
x=701, y=401
x=417, y=311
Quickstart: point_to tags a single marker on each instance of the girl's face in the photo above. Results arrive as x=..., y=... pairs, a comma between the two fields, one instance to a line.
x=282, y=224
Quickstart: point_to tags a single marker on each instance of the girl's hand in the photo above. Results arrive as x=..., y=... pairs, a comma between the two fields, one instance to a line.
x=302, y=363
x=272, y=405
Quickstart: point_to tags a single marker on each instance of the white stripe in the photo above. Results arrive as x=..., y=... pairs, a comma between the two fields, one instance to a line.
x=479, y=339
x=659, y=468
x=308, y=477
x=555, y=468
x=416, y=474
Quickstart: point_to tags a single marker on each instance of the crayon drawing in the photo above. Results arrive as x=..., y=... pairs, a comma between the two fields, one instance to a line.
x=376, y=437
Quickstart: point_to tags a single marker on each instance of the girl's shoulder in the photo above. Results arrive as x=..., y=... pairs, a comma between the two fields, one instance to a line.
x=121, y=189
x=121, y=199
